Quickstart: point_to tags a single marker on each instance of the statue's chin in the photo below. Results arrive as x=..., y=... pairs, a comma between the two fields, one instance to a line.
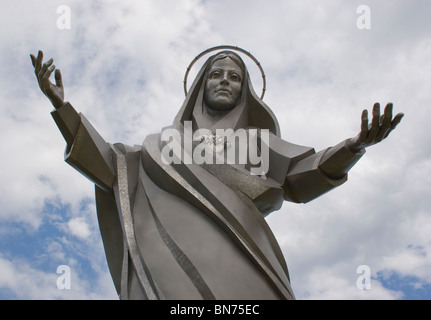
x=220, y=107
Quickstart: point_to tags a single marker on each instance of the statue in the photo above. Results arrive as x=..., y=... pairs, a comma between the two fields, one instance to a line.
x=176, y=228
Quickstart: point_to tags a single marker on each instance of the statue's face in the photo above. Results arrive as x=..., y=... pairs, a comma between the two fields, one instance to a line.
x=223, y=86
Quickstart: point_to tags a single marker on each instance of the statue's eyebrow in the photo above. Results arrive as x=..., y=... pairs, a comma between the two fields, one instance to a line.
x=229, y=71
x=215, y=69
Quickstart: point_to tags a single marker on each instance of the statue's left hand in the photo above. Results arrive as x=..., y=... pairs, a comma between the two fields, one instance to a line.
x=54, y=92
x=381, y=126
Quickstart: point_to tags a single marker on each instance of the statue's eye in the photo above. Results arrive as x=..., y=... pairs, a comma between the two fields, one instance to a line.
x=215, y=75
x=235, y=77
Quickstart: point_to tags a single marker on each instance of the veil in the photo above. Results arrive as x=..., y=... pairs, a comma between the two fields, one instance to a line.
x=250, y=111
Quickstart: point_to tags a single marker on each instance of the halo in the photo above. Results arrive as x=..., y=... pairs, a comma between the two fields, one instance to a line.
x=231, y=48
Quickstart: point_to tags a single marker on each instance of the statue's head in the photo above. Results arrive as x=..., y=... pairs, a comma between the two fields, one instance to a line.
x=224, y=81
x=223, y=84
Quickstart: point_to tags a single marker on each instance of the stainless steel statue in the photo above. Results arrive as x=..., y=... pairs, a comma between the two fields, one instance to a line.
x=188, y=229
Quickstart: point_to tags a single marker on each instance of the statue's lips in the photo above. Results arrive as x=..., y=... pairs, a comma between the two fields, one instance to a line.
x=223, y=91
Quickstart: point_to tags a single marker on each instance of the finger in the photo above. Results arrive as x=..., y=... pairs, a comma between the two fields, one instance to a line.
x=48, y=72
x=364, y=126
x=395, y=122
x=45, y=66
x=38, y=62
x=374, y=123
x=33, y=60
x=385, y=123
x=45, y=83
x=58, y=79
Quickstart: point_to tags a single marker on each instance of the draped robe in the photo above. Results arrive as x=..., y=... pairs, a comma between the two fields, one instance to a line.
x=189, y=231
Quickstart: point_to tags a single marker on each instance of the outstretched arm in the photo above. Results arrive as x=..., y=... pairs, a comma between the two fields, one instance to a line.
x=319, y=173
x=86, y=150
x=336, y=163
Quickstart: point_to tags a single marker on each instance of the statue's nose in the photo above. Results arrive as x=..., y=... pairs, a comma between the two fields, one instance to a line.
x=224, y=81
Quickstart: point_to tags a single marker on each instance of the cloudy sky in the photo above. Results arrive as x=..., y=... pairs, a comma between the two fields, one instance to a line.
x=123, y=64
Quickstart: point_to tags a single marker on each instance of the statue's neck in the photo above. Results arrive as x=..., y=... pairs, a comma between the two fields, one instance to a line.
x=207, y=118
x=213, y=115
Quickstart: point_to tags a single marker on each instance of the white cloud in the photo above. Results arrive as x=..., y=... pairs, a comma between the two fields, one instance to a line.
x=78, y=227
x=331, y=283
x=27, y=282
x=410, y=261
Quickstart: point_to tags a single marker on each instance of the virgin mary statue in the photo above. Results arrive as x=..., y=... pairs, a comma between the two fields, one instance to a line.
x=188, y=230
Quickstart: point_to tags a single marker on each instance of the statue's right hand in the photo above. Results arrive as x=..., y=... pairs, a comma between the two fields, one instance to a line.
x=54, y=92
